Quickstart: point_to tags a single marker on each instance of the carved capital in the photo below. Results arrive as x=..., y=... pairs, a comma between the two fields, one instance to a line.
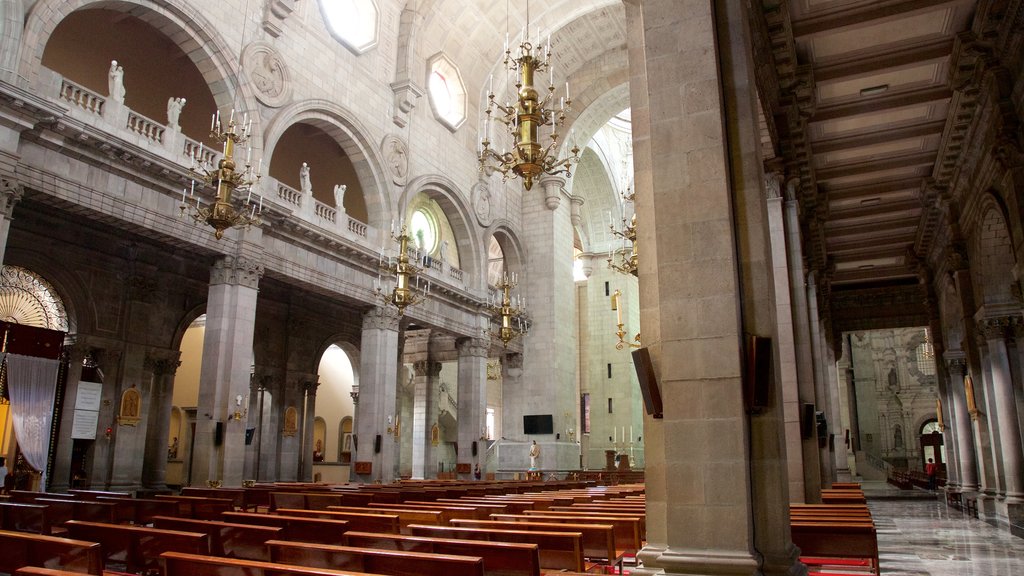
x=552, y=191
x=473, y=348
x=956, y=256
x=428, y=368
x=309, y=386
x=513, y=364
x=773, y=185
x=381, y=318
x=236, y=270
x=576, y=209
x=355, y=395
x=996, y=327
x=957, y=366
x=162, y=362
x=10, y=194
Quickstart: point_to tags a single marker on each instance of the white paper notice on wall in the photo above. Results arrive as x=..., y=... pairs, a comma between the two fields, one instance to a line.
x=84, y=425
x=89, y=396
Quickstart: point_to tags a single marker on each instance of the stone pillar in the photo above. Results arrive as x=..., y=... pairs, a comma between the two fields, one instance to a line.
x=378, y=381
x=424, y=418
x=309, y=386
x=697, y=521
x=818, y=351
x=108, y=359
x=162, y=364
x=472, y=403
x=995, y=331
x=786, y=342
x=802, y=341
x=957, y=367
x=60, y=475
x=10, y=195
x=549, y=349
x=227, y=361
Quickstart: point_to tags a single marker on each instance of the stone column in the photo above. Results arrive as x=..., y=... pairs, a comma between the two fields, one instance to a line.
x=10, y=195
x=549, y=349
x=227, y=361
x=60, y=475
x=965, y=446
x=802, y=340
x=424, y=418
x=472, y=403
x=818, y=351
x=699, y=505
x=786, y=340
x=995, y=331
x=162, y=364
x=309, y=386
x=378, y=381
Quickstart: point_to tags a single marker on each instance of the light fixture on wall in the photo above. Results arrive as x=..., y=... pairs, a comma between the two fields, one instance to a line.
x=527, y=116
x=509, y=310
x=928, y=351
x=625, y=259
x=227, y=179
x=621, y=332
x=407, y=290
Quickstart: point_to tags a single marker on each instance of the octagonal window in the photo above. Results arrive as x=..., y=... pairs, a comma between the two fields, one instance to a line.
x=447, y=92
x=353, y=22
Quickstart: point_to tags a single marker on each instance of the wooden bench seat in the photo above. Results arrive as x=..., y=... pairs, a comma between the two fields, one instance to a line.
x=557, y=550
x=500, y=558
x=598, y=539
x=626, y=529
x=62, y=510
x=226, y=539
x=199, y=508
x=392, y=562
x=137, y=548
x=236, y=495
x=296, y=528
x=627, y=518
x=406, y=516
x=179, y=563
x=450, y=511
x=18, y=549
x=94, y=494
x=846, y=539
x=142, y=510
x=21, y=517
x=356, y=520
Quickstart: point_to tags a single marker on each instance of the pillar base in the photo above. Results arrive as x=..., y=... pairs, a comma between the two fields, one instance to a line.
x=658, y=561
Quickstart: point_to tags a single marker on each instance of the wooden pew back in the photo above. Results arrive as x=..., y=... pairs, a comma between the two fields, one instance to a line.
x=500, y=558
x=356, y=520
x=137, y=547
x=20, y=549
x=19, y=517
x=196, y=565
x=557, y=550
x=598, y=539
x=226, y=539
x=393, y=562
x=295, y=528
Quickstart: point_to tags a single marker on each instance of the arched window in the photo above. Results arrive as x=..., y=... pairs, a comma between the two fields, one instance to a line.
x=423, y=228
x=353, y=22
x=25, y=298
x=447, y=92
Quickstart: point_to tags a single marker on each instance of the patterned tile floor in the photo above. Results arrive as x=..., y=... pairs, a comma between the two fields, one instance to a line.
x=926, y=538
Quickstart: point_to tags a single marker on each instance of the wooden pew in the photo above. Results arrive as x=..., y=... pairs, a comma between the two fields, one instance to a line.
x=557, y=550
x=406, y=516
x=236, y=495
x=19, y=517
x=226, y=539
x=199, y=508
x=94, y=494
x=145, y=509
x=837, y=540
x=137, y=548
x=178, y=563
x=296, y=528
x=500, y=558
x=18, y=549
x=356, y=520
x=598, y=539
x=509, y=507
x=88, y=510
x=626, y=529
x=392, y=562
x=450, y=511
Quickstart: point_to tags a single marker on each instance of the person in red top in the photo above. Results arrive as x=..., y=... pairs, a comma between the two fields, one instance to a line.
x=932, y=470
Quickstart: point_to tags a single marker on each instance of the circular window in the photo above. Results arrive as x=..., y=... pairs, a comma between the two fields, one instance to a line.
x=424, y=231
x=354, y=22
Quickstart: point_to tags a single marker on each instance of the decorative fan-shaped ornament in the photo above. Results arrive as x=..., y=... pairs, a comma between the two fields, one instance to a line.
x=27, y=299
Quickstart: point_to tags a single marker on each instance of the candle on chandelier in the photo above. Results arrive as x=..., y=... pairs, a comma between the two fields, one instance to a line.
x=567, y=90
x=193, y=192
x=213, y=121
x=182, y=195
x=618, y=307
x=261, y=204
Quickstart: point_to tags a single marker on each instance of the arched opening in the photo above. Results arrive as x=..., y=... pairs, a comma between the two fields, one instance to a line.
x=334, y=406
x=932, y=446
x=184, y=401
x=431, y=231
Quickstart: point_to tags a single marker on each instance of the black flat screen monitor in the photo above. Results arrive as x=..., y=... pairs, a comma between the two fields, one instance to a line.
x=648, y=382
x=538, y=424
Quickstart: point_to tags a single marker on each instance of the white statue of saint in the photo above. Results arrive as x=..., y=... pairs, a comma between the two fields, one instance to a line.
x=339, y=197
x=115, y=82
x=442, y=252
x=174, y=106
x=534, y=454
x=304, y=184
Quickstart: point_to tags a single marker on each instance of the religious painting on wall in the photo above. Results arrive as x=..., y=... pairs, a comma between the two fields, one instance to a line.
x=291, y=421
x=131, y=401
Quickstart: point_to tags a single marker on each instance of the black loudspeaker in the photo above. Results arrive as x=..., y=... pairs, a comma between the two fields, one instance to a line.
x=758, y=378
x=472, y=448
x=648, y=381
x=807, y=421
x=558, y=436
x=376, y=444
x=819, y=418
x=218, y=433
x=355, y=443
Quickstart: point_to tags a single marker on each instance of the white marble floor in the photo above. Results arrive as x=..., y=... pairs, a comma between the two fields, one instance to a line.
x=927, y=538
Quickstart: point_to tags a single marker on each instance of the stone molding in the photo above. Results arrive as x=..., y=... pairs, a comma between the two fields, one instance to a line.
x=277, y=11
x=997, y=327
x=236, y=270
x=473, y=347
x=552, y=191
x=407, y=94
x=576, y=209
x=10, y=194
x=381, y=318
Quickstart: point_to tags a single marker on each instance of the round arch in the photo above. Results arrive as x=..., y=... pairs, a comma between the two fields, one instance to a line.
x=511, y=247
x=446, y=193
x=194, y=34
x=72, y=294
x=352, y=137
x=349, y=348
x=992, y=252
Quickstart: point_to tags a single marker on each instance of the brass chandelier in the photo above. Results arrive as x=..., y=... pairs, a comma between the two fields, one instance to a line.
x=223, y=214
x=625, y=259
x=509, y=310
x=407, y=289
x=525, y=118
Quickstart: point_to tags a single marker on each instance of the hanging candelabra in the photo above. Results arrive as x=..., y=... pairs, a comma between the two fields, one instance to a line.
x=526, y=117
x=407, y=289
x=508, y=311
x=621, y=332
x=227, y=180
x=625, y=260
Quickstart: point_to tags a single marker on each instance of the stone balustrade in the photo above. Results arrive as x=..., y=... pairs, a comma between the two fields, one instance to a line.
x=324, y=211
x=289, y=195
x=81, y=97
x=149, y=129
x=356, y=227
x=200, y=154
